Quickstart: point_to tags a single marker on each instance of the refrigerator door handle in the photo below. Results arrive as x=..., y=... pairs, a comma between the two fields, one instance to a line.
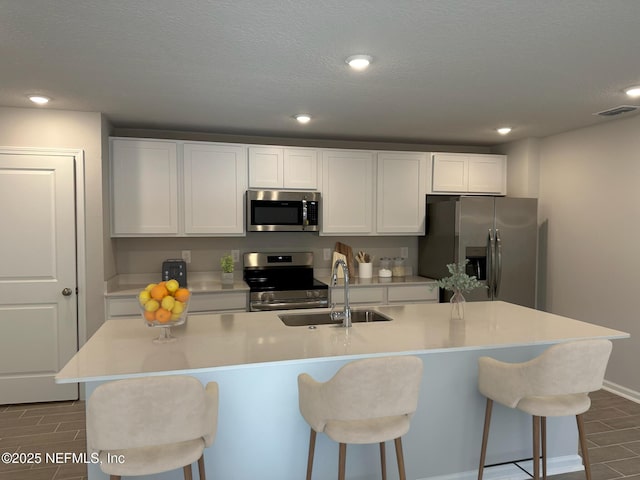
x=490, y=262
x=498, y=277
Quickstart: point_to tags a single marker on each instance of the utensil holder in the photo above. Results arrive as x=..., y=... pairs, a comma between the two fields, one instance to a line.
x=365, y=270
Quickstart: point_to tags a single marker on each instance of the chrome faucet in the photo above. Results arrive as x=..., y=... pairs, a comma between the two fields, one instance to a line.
x=345, y=315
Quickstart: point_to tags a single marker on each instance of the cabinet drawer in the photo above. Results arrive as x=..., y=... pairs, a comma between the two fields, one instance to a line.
x=359, y=295
x=122, y=307
x=413, y=293
x=217, y=302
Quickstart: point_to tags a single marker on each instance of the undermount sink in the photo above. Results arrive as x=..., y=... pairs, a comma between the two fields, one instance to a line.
x=323, y=318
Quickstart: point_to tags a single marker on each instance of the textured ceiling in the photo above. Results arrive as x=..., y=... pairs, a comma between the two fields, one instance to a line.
x=447, y=71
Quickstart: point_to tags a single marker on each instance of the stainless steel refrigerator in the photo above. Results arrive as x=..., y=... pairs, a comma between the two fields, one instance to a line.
x=498, y=235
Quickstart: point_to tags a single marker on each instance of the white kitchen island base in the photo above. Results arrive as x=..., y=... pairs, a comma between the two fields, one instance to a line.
x=261, y=434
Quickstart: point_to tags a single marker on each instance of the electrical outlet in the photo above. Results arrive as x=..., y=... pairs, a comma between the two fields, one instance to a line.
x=404, y=252
x=235, y=254
x=186, y=255
x=326, y=253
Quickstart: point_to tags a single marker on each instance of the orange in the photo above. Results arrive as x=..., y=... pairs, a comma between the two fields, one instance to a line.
x=159, y=292
x=149, y=316
x=163, y=315
x=182, y=295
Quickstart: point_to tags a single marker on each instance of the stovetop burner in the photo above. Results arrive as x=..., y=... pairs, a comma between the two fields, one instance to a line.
x=283, y=280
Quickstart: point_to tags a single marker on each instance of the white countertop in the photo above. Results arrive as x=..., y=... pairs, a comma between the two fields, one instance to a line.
x=377, y=281
x=203, y=282
x=197, y=282
x=123, y=348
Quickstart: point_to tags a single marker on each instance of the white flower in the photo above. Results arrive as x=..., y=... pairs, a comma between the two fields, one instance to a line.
x=459, y=280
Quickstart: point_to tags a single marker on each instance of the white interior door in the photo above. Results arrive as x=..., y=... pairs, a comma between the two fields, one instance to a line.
x=38, y=302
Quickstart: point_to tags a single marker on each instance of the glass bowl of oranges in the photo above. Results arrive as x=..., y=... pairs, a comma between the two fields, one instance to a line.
x=165, y=305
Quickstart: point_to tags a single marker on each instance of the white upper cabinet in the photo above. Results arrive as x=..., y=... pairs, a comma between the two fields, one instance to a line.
x=401, y=193
x=283, y=167
x=347, y=192
x=469, y=173
x=167, y=188
x=266, y=167
x=300, y=168
x=144, y=188
x=214, y=183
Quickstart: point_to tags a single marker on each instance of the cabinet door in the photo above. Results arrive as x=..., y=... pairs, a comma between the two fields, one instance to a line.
x=450, y=173
x=266, y=167
x=347, y=192
x=487, y=174
x=144, y=188
x=300, y=168
x=401, y=193
x=214, y=185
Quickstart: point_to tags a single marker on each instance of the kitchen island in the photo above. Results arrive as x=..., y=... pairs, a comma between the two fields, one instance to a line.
x=256, y=359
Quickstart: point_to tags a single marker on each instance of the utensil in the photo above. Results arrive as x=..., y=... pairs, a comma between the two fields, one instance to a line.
x=363, y=257
x=347, y=252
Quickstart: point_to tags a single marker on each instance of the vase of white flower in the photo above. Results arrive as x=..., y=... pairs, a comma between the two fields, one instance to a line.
x=459, y=282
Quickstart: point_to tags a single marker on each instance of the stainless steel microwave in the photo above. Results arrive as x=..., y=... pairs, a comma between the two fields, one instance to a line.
x=282, y=211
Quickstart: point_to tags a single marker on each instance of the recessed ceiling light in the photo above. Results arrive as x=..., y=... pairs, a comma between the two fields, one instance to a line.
x=303, y=118
x=633, y=92
x=39, y=99
x=359, y=62
x=503, y=130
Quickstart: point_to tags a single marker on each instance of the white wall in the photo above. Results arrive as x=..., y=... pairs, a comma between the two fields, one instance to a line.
x=522, y=167
x=590, y=212
x=145, y=255
x=47, y=128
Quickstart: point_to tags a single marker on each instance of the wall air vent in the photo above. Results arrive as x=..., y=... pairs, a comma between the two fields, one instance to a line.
x=616, y=111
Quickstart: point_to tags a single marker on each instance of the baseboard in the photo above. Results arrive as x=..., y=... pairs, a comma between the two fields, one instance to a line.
x=512, y=471
x=621, y=391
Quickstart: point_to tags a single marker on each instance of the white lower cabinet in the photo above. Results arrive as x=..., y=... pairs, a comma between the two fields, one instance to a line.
x=360, y=295
x=413, y=293
x=386, y=294
x=127, y=306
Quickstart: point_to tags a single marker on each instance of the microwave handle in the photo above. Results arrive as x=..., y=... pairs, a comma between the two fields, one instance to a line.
x=305, y=219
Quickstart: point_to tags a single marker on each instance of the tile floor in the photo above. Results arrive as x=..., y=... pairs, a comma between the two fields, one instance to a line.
x=613, y=432
x=43, y=428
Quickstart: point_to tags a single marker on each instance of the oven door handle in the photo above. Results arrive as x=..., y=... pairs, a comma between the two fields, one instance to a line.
x=288, y=305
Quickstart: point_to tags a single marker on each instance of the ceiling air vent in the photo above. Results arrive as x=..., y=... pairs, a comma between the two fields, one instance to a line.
x=617, y=110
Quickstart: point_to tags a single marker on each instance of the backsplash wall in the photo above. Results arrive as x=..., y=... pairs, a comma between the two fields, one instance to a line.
x=145, y=255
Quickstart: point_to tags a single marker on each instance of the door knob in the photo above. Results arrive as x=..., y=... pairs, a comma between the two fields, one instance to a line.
x=67, y=291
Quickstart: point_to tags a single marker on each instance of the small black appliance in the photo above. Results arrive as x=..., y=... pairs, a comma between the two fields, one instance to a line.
x=175, y=269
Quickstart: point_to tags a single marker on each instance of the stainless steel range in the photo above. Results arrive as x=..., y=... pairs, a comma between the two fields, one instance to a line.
x=281, y=281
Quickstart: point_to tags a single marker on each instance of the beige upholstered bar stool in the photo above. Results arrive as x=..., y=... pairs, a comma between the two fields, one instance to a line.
x=554, y=384
x=366, y=401
x=154, y=424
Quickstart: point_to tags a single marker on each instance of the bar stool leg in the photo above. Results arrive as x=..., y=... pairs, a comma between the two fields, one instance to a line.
x=312, y=447
x=400, y=458
x=584, y=450
x=201, y=468
x=187, y=472
x=342, y=460
x=383, y=461
x=543, y=434
x=485, y=437
x=536, y=447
